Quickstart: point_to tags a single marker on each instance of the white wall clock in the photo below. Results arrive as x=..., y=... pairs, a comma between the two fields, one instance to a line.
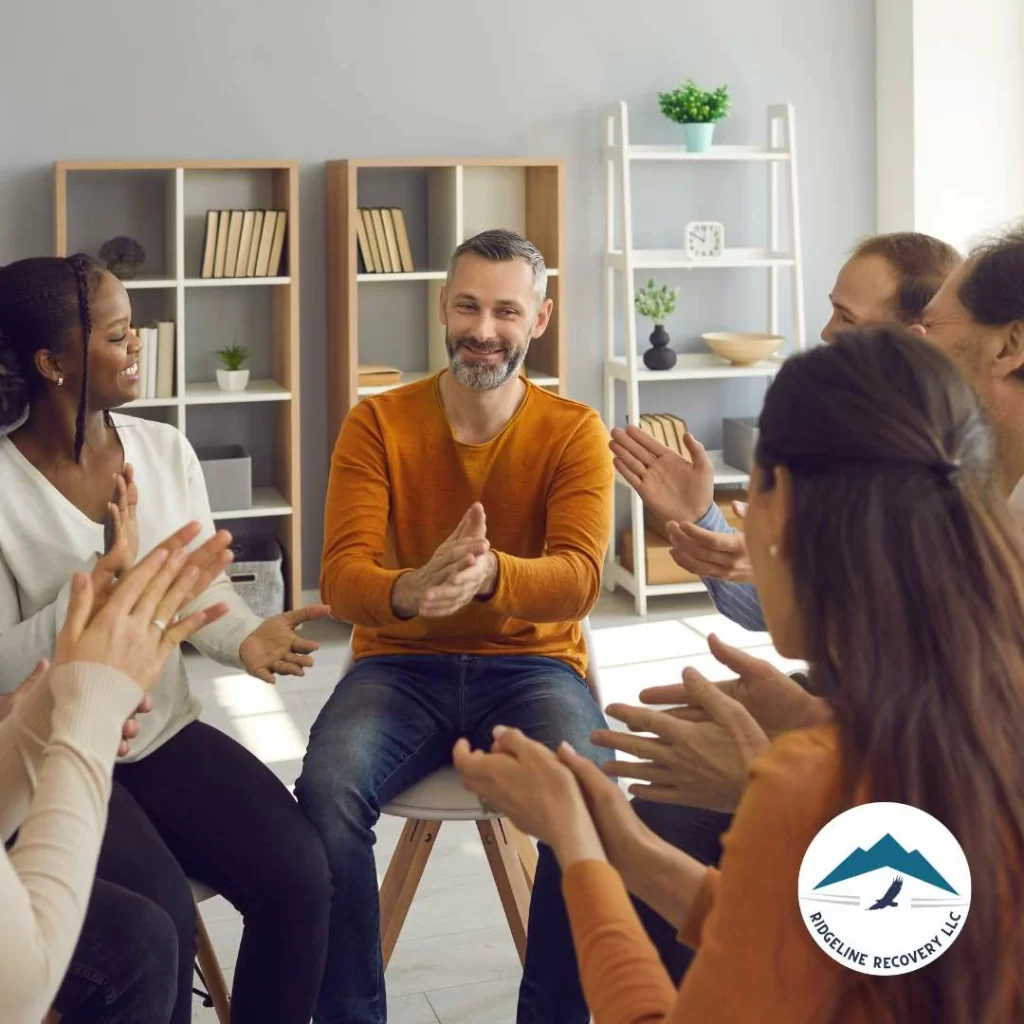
x=704, y=239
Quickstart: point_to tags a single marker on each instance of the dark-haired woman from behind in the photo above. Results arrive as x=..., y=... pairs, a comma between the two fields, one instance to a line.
x=886, y=557
x=188, y=801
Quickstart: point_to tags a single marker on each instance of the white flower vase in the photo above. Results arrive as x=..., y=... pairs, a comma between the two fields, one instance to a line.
x=233, y=380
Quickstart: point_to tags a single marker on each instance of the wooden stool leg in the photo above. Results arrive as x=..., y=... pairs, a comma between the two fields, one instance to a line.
x=212, y=974
x=402, y=879
x=526, y=850
x=509, y=876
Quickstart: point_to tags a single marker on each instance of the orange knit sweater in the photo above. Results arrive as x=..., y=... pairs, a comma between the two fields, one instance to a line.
x=399, y=485
x=755, y=958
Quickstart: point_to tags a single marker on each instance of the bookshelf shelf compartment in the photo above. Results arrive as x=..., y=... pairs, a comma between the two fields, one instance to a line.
x=147, y=283
x=266, y=502
x=444, y=201
x=164, y=205
x=234, y=282
x=207, y=393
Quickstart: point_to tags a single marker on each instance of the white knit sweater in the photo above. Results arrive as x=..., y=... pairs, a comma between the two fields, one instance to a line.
x=45, y=539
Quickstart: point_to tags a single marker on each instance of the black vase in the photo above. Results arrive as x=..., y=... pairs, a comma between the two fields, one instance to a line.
x=659, y=356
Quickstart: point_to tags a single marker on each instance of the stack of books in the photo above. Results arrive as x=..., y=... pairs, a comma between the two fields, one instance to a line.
x=377, y=375
x=244, y=243
x=383, y=241
x=156, y=360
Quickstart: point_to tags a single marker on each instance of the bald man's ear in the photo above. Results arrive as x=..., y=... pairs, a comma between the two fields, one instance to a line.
x=1010, y=359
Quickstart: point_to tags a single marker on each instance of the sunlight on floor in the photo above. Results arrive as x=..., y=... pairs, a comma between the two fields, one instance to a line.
x=260, y=718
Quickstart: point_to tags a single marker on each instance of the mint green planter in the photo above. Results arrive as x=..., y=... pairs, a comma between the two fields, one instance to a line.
x=698, y=136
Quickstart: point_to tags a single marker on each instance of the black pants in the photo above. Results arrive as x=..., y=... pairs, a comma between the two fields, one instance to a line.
x=201, y=806
x=124, y=969
x=694, y=831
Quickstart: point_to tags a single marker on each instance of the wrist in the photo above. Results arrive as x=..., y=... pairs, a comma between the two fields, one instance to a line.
x=405, y=596
x=577, y=839
x=490, y=581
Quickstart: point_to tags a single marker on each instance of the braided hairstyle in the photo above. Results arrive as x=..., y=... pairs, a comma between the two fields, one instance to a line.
x=42, y=300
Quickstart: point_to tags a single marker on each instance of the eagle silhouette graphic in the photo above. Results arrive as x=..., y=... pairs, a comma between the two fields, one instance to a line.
x=889, y=899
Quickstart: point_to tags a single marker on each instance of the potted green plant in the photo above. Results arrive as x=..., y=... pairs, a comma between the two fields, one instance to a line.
x=232, y=377
x=697, y=111
x=656, y=303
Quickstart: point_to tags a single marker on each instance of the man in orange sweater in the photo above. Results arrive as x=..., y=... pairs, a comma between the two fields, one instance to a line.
x=467, y=520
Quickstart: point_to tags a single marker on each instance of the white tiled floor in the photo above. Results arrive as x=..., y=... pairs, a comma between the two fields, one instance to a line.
x=455, y=962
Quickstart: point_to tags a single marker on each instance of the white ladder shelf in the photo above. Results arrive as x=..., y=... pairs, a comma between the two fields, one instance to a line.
x=778, y=156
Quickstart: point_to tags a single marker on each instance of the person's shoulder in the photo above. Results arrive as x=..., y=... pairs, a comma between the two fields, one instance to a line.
x=569, y=412
x=399, y=402
x=152, y=440
x=152, y=432
x=804, y=761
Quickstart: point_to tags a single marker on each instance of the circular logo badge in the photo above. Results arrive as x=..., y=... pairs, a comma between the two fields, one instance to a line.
x=884, y=888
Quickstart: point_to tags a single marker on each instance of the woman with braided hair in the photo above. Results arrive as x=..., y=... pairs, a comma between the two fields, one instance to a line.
x=187, y=800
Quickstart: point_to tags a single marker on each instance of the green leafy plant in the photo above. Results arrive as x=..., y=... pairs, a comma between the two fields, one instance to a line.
x=690, y=104
x=656, y=302
x=233, y=357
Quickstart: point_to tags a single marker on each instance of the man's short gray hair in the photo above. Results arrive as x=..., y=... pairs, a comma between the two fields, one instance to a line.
x=499, y=245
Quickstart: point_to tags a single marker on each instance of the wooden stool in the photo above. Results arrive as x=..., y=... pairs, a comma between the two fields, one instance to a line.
x=438, y=798
x=215, y=991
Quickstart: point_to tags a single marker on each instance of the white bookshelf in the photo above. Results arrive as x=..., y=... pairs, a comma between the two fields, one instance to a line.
x=623, y=259
x=163, y=204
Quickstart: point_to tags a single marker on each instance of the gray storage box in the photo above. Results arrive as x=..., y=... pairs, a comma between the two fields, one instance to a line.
x=739, y=440
x=258, y=575
x=228, y=473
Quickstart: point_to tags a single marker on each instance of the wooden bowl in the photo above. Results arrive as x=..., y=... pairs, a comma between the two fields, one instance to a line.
x=743, y=348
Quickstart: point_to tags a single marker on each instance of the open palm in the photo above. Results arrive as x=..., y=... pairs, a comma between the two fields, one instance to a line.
x=277, y=648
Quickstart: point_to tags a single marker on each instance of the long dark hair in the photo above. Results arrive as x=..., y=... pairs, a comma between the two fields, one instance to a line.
x=908, y=573
x=42, y=300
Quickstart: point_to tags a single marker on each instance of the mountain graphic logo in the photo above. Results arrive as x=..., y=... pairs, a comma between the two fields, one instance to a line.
x=886, y=853
x=889, y=905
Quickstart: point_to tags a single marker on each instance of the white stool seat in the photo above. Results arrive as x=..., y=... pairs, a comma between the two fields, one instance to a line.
x=439, y=797
x=201, y=892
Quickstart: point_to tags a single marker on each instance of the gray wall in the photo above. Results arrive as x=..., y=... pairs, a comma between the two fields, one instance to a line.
x=328, y=79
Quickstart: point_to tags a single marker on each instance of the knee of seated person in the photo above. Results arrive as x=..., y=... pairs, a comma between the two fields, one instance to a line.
x=150, y=940
x=299, y=880
x=337, y=806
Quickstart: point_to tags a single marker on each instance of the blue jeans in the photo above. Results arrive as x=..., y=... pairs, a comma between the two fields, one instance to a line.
x=390, y=722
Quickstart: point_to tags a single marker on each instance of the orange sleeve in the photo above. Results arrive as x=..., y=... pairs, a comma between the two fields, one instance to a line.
x=623, y=977
x=564, y=584
x=755, y=959
x=753, y=929
x=352, y=579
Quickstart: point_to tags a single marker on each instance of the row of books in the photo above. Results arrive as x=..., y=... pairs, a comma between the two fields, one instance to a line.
x=383, y=241
x=243, y=243
x=156, y=360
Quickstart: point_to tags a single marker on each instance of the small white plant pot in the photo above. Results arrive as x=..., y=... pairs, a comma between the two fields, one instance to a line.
x=233, y=380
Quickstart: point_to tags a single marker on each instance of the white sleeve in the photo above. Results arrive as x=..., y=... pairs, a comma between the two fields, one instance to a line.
x=46, y=880
x=24, y=641
x=221, y=639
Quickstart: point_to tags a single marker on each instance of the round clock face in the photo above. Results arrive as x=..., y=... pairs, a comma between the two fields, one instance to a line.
x=704, y=239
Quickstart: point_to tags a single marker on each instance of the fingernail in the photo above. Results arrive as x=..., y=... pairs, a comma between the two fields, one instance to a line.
x=498, y=730
x=568, y=747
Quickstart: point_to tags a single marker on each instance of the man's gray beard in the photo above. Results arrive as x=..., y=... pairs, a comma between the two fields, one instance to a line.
x=483, y=378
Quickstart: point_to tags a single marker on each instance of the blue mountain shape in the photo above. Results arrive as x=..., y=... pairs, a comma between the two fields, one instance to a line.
x=886, y=853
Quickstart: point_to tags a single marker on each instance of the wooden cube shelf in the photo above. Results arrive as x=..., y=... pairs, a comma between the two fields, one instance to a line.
x=163, y=205
x=391, y=317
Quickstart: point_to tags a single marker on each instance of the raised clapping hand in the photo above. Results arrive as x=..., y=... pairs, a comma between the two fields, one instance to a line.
x=669, y=485
x=462, y=568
